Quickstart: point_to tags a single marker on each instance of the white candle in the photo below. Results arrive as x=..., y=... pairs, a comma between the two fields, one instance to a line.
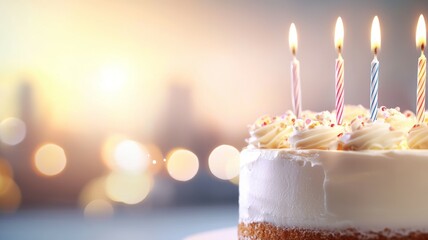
x=374, y=70
x=296, y=96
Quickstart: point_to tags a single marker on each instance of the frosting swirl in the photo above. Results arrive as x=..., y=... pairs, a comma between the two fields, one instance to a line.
x=367, y=135
x=271, y=132
x=418, y=137
x=321, y=133
x=399, y=121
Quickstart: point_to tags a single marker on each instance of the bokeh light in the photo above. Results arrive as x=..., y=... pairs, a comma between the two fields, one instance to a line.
x=108, y=149
x=224, y=162
x=93, y=190
x=98, y=208
x=5, y=169
x=10, y=195
x=50, y=159
x=128, y=188
x=12, y=131
x=235, y=180
x=182, y=165
x=130, y=156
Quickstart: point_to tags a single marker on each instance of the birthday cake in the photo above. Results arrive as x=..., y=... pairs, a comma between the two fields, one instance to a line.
x=310, y=178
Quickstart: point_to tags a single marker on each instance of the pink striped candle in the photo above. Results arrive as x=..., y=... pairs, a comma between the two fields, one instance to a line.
x=420, y=43
x=340, y=90
x=296, y=97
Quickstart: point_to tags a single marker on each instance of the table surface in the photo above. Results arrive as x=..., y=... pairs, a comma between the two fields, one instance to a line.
x=225, y=233
x=162, y=224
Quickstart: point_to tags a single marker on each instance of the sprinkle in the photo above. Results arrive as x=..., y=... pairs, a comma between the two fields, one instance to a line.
x=340, y=135
x=308, y=121
x=383, y=108
x=332, y=125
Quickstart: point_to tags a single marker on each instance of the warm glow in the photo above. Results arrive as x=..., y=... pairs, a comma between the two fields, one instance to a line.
x=128, y=188
x=182, y=164
x=421, y=32
x=99, y=208
x=338, y=34
x=12, y=131
x=130, y=156
x=50, y=159
x=375, y=35
x=112, y=77
x=292, y=38
x=224, y=162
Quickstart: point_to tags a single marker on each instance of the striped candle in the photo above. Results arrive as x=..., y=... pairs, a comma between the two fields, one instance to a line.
x=420, y=110
x=374, y=70
x=339, y=89
x=295, y=86
x=296, y=97
x=374, y=82
x=420, y=43
x=338, y=42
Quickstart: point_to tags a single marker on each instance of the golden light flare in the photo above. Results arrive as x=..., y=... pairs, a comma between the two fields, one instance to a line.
x=50, y=159
x=224, y=162
x=182, y=164
x=421, y=33
x=375, y=35
x=131, y=156
x=292, y=38
x=12, y=131
x=128, y=188
x=98, y=208
x=339, y=34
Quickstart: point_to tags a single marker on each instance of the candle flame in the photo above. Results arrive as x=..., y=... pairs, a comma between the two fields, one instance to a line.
x=338, y=34
x=292, y=38
x=375, y=36
x=421, y=33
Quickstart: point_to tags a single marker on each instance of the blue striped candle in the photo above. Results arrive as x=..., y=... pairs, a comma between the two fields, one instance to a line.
x=374, y=82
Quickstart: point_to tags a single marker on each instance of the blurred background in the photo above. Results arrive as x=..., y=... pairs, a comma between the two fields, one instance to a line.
x=122, y=118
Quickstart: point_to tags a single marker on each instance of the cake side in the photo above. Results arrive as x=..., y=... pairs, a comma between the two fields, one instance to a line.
x=319, y=189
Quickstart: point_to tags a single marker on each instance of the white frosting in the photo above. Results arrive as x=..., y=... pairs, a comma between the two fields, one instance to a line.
x=368, y=190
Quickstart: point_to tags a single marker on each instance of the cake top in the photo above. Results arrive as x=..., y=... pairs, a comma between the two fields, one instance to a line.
x=393, y=129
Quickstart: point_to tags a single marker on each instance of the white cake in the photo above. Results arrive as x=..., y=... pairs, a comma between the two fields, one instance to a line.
x=312, y=179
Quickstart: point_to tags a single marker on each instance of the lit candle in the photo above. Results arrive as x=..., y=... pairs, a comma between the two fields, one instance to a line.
x=295, y=72
x=338, y=42
x=374, y=73
x=420, y=43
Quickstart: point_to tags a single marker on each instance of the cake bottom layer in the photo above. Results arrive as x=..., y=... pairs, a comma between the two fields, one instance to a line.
x=267, y=231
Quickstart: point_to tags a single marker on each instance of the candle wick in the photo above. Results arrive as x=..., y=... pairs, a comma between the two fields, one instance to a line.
x=293, y=51
x=422, y=47
x=375, y=50
x=339, y=49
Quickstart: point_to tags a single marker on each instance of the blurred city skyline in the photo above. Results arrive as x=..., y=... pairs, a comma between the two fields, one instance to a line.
x=178, y=74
